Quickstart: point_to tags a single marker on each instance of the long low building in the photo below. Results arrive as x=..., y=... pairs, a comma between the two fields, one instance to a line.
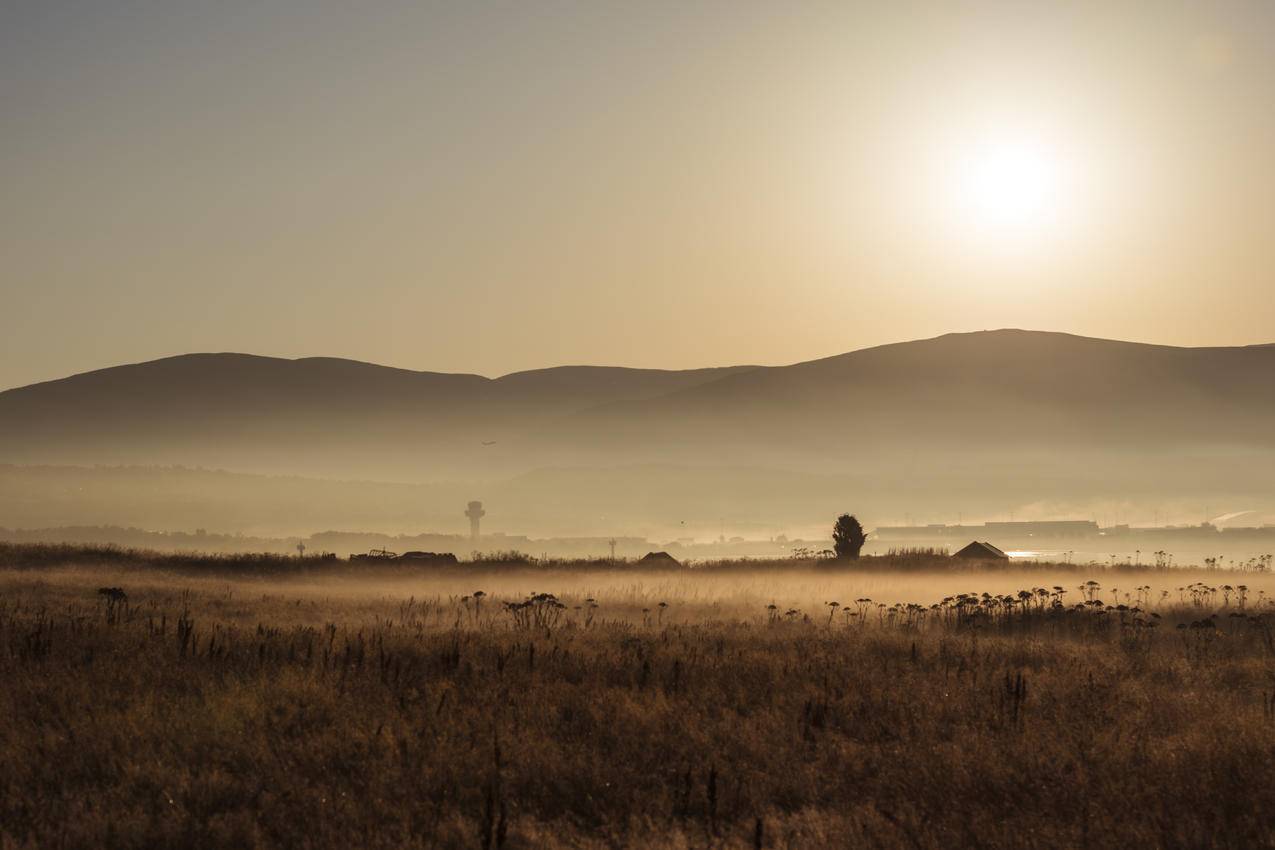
x=1052, y=529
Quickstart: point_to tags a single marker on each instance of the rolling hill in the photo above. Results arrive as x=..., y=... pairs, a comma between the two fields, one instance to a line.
x=1009, y=408
x=996, y=390
x=312, y=415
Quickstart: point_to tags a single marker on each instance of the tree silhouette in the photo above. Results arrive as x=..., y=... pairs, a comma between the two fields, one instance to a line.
x=848, y=537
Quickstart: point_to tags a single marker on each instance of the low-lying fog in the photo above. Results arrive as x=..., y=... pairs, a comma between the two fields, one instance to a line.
x=735, y=595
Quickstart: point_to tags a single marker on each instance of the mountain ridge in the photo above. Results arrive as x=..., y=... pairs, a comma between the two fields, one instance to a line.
x=521, y=376
x=961, y=394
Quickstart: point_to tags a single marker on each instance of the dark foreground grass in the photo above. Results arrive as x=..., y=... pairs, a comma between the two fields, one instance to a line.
x=232, y=718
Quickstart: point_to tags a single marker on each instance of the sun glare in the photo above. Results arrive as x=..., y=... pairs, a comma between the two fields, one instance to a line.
x=1012, y=190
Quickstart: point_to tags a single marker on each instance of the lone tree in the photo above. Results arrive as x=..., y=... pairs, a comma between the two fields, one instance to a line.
x=848, y=537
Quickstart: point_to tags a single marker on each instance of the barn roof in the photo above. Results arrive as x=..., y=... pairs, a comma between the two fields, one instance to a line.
x=983, y=550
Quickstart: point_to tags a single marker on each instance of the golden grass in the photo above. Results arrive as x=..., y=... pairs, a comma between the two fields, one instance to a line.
x=324, y=711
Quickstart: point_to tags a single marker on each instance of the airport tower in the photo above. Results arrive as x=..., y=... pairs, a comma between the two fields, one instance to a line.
x=475, y=513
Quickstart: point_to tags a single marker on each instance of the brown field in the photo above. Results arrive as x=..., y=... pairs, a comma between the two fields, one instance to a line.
x=324, y=709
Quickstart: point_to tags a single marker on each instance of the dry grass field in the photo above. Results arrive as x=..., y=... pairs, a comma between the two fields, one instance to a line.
x=585, y=707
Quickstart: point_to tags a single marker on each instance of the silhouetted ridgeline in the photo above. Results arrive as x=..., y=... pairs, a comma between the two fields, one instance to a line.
x=44, y=555
x=344, y=543
x=48, y=555
x=1145, y=417
x=53, y=555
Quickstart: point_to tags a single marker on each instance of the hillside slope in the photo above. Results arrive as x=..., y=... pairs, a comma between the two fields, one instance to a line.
x=958, y=400
x=313, y=415
x=997, y=389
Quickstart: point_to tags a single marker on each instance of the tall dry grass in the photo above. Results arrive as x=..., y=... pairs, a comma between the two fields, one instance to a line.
x=223, y=710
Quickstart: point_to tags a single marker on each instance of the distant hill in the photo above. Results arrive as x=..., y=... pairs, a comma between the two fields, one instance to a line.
x=312, y=415
x=1001, y=390
x=234, y=385
x=979, y=408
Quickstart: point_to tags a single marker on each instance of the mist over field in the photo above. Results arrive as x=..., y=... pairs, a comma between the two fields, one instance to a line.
x=564, y=425
x=987, y=426
x=249, y=601
x=283, y=701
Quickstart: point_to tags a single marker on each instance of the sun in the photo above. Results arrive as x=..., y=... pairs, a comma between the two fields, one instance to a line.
x=1010, y=187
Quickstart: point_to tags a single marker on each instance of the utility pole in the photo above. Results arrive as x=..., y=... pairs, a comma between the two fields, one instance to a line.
x=611, y=543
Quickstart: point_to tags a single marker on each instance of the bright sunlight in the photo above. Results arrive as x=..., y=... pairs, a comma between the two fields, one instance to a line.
x=1016, y=189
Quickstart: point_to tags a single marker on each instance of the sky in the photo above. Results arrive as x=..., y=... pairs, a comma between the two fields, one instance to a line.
x=491, y=187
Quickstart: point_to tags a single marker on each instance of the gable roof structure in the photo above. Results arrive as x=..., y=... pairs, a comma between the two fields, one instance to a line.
x=660, y=558
x=982, y=551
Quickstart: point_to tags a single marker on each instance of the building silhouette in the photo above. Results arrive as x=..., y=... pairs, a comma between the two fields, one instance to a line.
x=475, y=513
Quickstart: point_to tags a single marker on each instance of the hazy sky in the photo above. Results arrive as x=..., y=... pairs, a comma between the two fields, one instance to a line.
x=492, y=187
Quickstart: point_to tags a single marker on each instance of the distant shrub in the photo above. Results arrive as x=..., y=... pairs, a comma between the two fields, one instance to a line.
x=510, y=556
x=43, y=555
x=848, y=537
x=918, y=552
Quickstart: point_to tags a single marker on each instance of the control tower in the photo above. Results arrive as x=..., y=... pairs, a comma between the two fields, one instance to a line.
x=475, y=513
